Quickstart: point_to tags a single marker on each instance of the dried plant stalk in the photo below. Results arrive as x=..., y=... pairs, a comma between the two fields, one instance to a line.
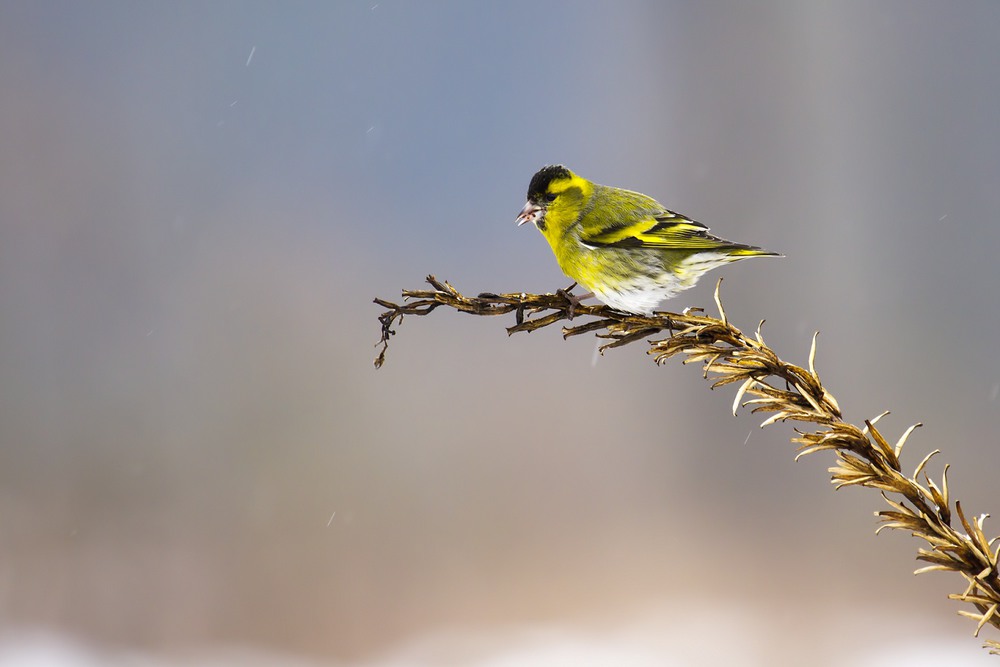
x=786, y=392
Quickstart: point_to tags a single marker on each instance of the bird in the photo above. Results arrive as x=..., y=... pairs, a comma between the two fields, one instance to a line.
x=624, y=247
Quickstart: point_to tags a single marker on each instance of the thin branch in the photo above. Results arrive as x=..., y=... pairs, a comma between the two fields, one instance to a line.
x=766, y=385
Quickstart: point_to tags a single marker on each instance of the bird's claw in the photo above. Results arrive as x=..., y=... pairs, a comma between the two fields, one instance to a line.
x=573, y=300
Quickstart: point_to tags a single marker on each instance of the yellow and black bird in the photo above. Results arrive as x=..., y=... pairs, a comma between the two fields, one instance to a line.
x=624, y=247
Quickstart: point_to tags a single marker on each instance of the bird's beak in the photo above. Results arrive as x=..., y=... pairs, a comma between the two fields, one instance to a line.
x=529, y=213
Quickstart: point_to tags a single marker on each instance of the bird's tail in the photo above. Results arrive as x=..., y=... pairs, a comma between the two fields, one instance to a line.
x=741, y=251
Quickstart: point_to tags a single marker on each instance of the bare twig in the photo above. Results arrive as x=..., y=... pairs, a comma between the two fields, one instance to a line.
x=786, y=392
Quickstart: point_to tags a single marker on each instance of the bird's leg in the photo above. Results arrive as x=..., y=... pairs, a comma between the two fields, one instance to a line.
x=573, y=299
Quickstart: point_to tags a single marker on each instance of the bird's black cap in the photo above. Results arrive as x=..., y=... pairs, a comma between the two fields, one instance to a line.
x=540, y=181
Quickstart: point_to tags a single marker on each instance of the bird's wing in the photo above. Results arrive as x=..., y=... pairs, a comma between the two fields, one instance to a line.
x=660, y=229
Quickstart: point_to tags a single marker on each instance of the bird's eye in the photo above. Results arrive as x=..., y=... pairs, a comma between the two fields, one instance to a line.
x=550, y=197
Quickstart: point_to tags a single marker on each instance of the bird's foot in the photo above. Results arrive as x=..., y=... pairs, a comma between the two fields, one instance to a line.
x=573, y=299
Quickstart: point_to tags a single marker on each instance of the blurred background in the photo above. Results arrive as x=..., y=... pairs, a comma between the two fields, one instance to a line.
x=199, y=201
